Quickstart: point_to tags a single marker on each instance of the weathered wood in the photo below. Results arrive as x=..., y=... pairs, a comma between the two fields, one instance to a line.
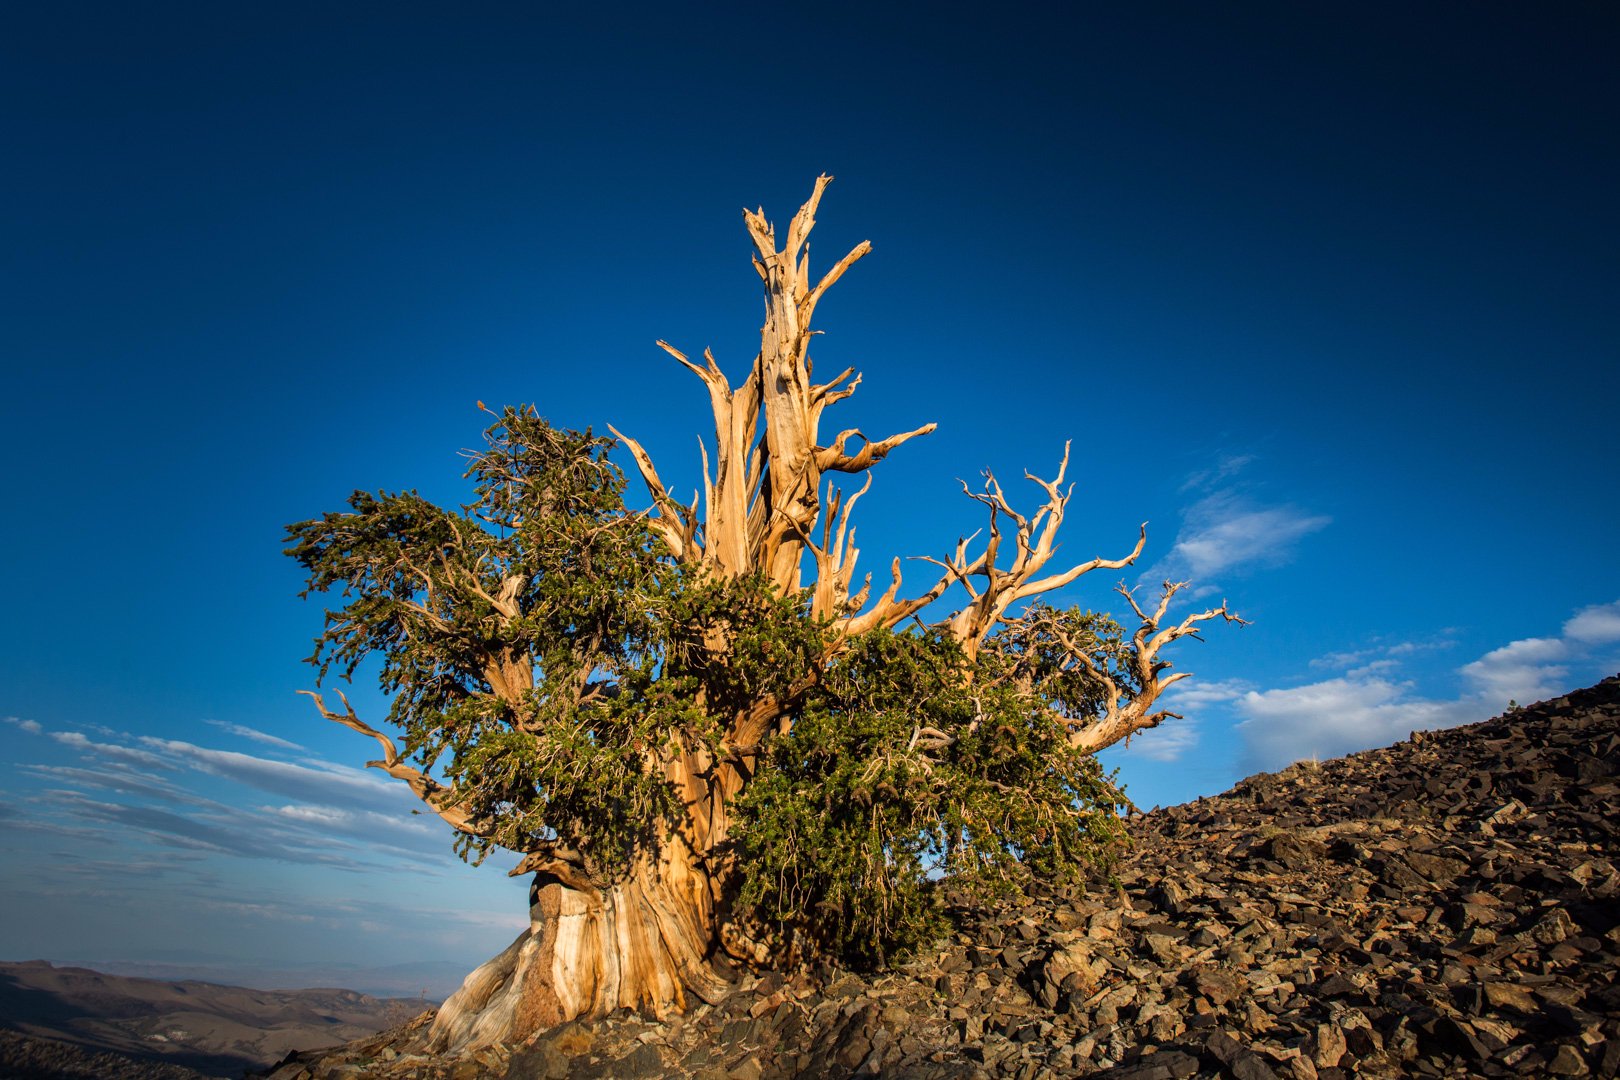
x=642, y=944
x=763, y=501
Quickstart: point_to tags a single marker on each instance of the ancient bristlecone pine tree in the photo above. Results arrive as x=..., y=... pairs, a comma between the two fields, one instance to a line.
x=712, y=749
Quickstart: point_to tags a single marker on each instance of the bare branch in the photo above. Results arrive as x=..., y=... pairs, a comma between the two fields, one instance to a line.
x=1034, y=541
x=836, y=555
x=1122, y=719
x=764, y=237
x=833, y=458
x=442, y=800
x=764, y=493
x=887, y=612
x=860, y=251
x=702, y=373
x=673, y=522
x=958, y=569
x=829, y=392
x=804, y=220
x=708, y=484
x=1057, y=581
x=561, y=862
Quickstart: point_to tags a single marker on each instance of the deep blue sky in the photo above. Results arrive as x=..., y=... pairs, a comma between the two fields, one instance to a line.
x=1326, y=294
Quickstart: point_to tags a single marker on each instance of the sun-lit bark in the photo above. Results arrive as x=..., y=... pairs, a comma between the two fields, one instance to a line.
x=762, y=499
x=442, y=800
x=642, y=944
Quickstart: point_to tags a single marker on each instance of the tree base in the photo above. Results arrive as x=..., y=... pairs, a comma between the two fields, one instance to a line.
x=643, y=944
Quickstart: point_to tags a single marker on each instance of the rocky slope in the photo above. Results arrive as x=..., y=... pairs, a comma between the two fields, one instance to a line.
x=26, y=1057
x=1449, y=906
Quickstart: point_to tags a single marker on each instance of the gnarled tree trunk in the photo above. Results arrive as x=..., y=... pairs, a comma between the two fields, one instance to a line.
x=646, y=943
x=655, y=939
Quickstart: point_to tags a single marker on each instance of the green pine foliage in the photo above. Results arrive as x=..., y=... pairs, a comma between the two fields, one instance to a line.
x=906, y=764
x=910, y=767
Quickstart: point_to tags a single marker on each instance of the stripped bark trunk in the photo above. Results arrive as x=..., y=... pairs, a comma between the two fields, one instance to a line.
x=646, y=943
x=657, y=939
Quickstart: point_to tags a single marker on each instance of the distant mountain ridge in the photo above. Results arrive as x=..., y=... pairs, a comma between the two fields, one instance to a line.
x=430, y=981
x=212, y=1029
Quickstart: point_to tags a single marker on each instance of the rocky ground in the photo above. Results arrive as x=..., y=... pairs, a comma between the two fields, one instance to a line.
x=25, y=1057
x=1449, y=906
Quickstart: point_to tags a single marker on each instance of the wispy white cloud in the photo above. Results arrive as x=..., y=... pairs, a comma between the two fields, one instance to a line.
x=79, y=741
x=113, y=778
x=341, y=816
x=325, y=785
x=242, y=731
x=1366, y=707
x=1168, y=742
x=1346, y=658
x=30, y=726
x=129, y=768
x=245, y=909
x=1229, y=529
x=1523, y=671
x=1337, y=716
x=354, y=842
x=319, y=815
x=129, y=871
x=1380, y=653
x=1224, y=531
x=1195, y=693
x=221, y=834
x=1374, y=667
x=364, y=824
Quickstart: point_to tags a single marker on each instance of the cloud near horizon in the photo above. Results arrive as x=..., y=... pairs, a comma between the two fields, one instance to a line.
x=1595, y=625
x=106, y=821
x=341, y=816
x=1365, y=707
x=1174, y=738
